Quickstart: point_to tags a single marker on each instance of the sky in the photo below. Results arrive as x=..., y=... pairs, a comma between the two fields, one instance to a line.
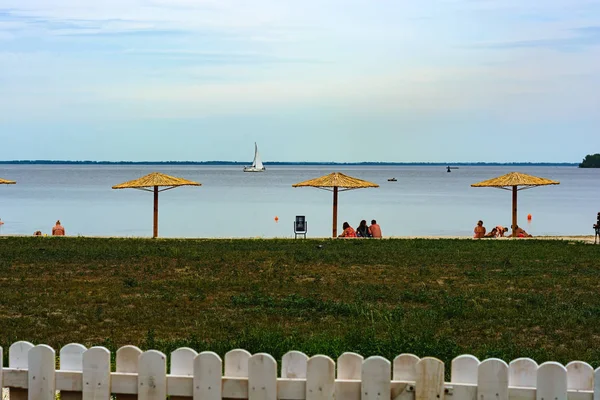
x=309, y=80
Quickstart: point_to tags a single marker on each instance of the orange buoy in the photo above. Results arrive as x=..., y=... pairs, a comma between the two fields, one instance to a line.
x=276, y=218
x=528, y=217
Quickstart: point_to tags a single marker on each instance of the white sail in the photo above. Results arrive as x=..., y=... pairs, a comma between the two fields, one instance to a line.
x=257, y=161
x=257, y=165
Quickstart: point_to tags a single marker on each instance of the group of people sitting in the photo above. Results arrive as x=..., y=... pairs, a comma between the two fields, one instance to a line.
x=496, y=232
x=363, y=230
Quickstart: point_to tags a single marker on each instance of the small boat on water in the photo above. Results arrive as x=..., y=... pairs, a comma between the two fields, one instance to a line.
x=257, y=165
x=392, y=180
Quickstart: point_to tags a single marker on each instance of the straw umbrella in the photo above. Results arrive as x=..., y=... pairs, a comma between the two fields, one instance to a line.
x=151, y=183
x=336, y=182
x=515, y=181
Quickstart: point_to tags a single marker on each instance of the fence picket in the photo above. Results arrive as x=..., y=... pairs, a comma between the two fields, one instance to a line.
x=580, y=376
x=17, y=358
x=596, y=384
x=126, y=361
x=320, y=378
x=236, y=363
x=464, y=369
x=293, y=365
x=71, y=359
x=182, y=361
x=376, y=379
x=41, y=373
x=152, y=376
x=551, y=382
x=405, y=367
x=430, y=379
x=492, y=380
x=522, y=372
x=349, y=366
x=96, y=374
x=262, y=377
x=207, y=372
x=182, y=364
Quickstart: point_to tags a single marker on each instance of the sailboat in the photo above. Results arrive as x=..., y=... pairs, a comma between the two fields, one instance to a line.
x=257, y=165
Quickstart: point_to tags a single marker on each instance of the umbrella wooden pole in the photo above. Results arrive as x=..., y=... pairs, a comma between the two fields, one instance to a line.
x=335, y=206
x=514, y=210
x=155, y=232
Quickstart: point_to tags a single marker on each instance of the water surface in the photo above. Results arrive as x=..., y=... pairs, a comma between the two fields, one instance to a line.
x=426, y=200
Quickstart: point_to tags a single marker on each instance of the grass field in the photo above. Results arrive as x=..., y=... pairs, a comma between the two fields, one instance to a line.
x=438, y=298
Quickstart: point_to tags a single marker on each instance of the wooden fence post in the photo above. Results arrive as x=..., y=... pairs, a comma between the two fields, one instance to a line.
x=580, y=376
x=551, y=382
x=236, y=363
x=262, y=377
x=597, y=384
x=127, y=359
x=464, y=369
x=522, y=372
x=293, y=365
x=17, y=358
x=430, y=379
x=96, y=374
x=405, y=367
x=320, y=378
x=208, y=376
x=492, y=380
x=71, y=359
x=152, y=376
x=376, y=379
x=41, y=376
x=182, y=364
x=349, y=366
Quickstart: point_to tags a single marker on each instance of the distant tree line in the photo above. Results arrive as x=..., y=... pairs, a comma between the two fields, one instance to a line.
x=591, y=161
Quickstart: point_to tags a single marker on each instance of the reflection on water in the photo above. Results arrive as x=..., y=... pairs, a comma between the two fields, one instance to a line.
x=231, y=203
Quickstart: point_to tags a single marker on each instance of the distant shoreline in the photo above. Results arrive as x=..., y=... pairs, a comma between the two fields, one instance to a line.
x=367, y=163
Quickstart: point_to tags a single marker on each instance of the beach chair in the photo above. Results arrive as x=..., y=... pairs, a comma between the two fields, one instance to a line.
x=300, y=226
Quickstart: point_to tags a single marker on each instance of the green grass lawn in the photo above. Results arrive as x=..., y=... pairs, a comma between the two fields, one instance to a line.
x=501, y=298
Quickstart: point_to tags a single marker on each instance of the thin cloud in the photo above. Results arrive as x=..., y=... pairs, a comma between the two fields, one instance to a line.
x=581, y=39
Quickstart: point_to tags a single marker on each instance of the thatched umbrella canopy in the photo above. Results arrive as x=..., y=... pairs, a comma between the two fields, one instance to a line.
x=515, y=181
x=6, y=182
x=336, y=182
x=151, y=183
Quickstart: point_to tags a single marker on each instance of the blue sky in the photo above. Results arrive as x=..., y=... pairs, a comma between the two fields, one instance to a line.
x=309, y=80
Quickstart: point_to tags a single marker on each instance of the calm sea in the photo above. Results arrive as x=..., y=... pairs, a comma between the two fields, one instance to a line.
x=231, y=203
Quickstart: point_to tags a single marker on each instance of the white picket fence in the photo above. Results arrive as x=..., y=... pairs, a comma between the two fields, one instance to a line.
x=85, y=374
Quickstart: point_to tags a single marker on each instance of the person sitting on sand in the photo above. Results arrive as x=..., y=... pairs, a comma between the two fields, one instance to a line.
x=58, y=229
x=500, y=231
x=520, y=232
x=375, y=229
x=363, y=230
x=479, y=230
x=348, y=231
x=491, y=234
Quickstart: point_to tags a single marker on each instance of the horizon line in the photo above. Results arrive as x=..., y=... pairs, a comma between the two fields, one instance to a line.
x=224, y=162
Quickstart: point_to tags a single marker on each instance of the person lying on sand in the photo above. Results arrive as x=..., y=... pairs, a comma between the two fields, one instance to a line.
x=479, y=230
x=491, y=234
x=348, y=231
x=520, y=232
